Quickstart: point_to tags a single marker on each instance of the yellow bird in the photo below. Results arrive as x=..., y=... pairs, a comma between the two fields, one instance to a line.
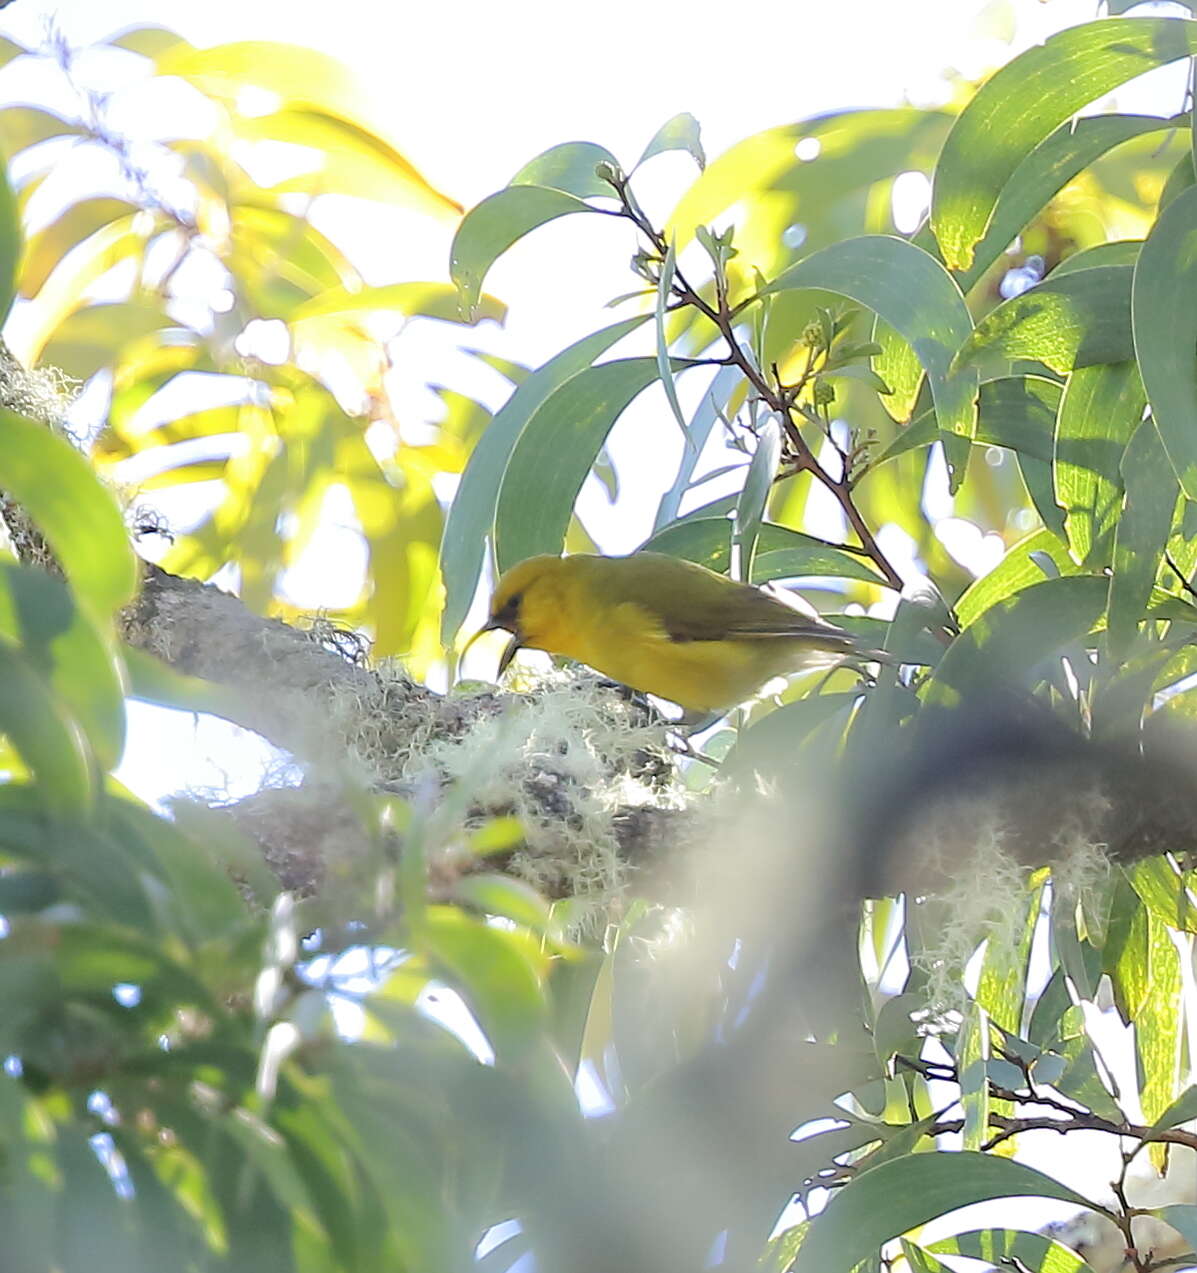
x=663, y=626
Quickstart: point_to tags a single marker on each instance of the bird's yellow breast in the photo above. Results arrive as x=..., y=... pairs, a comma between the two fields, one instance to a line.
x=626, y=642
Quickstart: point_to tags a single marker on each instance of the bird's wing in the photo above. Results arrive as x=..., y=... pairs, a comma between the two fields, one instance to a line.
x=712, y=607
x=748, y=615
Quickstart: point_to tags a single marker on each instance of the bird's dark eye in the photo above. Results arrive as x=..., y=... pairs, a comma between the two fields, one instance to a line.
x=508, y=616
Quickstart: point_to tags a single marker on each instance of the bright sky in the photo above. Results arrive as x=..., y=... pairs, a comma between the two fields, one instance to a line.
x=476, y=87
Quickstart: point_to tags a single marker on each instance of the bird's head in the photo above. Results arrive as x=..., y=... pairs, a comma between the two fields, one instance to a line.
x=523, y=605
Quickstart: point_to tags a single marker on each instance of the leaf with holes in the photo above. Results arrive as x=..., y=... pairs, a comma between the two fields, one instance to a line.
x=1072, y=320
x=1024, y=102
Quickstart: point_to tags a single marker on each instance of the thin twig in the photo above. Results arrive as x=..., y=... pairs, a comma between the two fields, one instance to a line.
x=1184, y=582
x=779, y=398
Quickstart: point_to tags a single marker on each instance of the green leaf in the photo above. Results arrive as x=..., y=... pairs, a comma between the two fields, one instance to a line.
x=496, y=835
x=500, y=220
x=55, y=485
x=773, y=182
x=1002, y=987
x=972, y=1052
x=1016, y=571
x=781, y=1250
x=1045, y=171
x=918, y=647
x=1081, y=961
x=88, y=960
x=1002, y=1247
x=1180, y=178
x=769, y=745
x=664, y=284
x=149, y=41
x=1119, y=699
x=153, y=681
x=496, y=970
x=1116, y=252
x=104, y=874
x=1158, y=1037
x=163, y=1219
x=1183, y=1218
x=22, y=126
x=472, y=515
x=1182, y=1110
x=898, y=1196
x=1165, y=325
x=682, y=132
x=515, y=372
x=1008, y=640
x=323, y=104
x=1127, y=954
x=503, y=895
x=50, y=244
x=313, y=1141
x=1102, y=406
x=266, y=1154
x=1037, y=477
x=279, y=259
x=915, y=295
x=1141, y=534
x=1071, y=320
x=900, y=283
x=555, y=451
x=93, y=1223
x=858, y=371
x=893, y=1030
x=426, y=300
x=781, y=553
x=204, y=901
x=698, y=430
x=46, y=737
x=1051, y=1006
x=88, y=341
x=10, y=245
x=9, y=50
x=1161, y=886
x=91, y=337
x=1018, y=412
x=1081, y=1079
x=754, y=496
x=569, y=167
x=1028, y=99
x=898, y=367
x=919, y=1261
x=919, y=612
x=27, y=892
x=38, y=613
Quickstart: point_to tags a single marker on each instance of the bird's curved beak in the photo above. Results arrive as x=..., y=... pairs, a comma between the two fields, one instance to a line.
x=509, y=650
